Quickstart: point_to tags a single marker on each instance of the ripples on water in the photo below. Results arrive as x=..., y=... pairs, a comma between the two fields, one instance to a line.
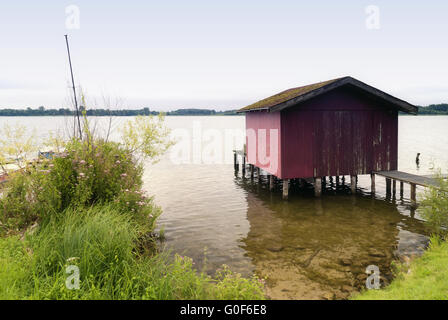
x=307, y=248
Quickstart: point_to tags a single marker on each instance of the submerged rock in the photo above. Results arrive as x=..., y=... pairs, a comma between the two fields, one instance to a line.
x=275, y=248
x=377, y=254
x=345, y=262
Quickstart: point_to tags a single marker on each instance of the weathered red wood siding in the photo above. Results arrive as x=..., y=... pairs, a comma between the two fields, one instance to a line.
x=339, y=133
x=263, y=138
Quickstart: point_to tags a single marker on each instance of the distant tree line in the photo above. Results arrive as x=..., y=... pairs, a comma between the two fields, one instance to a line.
x=41, y=111
x=200, y=112
x=434, y=109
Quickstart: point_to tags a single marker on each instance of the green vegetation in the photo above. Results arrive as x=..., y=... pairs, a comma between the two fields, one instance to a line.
x=425, y=277
x=86, y=173
x=434, y=109
x=15, y=144
x=101, y=241
x=434, y=207
x=41, y=111
x=85, y=208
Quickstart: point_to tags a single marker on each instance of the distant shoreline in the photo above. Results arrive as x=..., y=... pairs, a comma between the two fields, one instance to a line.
x=42, y=112
x=434, y=109
x=167, y=115
x=191, y=115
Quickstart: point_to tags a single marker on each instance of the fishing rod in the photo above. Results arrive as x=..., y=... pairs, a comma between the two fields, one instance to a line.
x=74, y=91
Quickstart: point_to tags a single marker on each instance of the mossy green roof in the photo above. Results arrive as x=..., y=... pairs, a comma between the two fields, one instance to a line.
x=286, y=95
x=292, y=97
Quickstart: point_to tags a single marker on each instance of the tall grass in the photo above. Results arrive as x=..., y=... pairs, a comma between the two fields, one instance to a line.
x=102, y=237
x=102, y=242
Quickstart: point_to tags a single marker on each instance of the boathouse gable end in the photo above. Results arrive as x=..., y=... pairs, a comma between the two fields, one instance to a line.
x=263, y=141
x=343, y=131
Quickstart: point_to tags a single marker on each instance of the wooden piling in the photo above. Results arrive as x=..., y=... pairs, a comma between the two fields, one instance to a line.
x=401, y=189
x=388, y=185
x=258, y=173
x=235, y=161
x=285, y=189
x=413, y=193
x=271, y=182
x=353, y=183
x=318, y=186
x=394, y=187
x=243, y=165
x=251, y=168
x=372, y=183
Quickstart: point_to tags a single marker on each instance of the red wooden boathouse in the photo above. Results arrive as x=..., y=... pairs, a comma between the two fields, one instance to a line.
x=331, y=128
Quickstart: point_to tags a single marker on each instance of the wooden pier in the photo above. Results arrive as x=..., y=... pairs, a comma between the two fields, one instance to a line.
x=403, y=177
x=391, y=177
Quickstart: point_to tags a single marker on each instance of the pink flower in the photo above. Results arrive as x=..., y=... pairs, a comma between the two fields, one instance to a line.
x=117, y=162
x=123, y=175
x=82, y=162
x=81, y=174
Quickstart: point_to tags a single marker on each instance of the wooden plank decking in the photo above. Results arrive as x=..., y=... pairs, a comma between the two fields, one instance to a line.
x=425, y=181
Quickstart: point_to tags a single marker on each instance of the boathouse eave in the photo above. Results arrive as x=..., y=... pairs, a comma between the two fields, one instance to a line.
x=401, y=105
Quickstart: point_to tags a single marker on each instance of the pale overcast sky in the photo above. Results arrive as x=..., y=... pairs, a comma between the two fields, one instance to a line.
x=208, y=54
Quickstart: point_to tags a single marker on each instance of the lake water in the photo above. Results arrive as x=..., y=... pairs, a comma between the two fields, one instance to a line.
x=306, y=247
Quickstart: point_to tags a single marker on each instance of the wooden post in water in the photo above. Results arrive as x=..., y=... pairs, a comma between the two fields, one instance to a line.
x=324, y=182
x=235, y=161
x=251, y=168
x=243, y=165
x=271, y=182
x=394, y=187
x=401, y=189
x=337, y=180
x=413, y=194
x=285, y=189
x=388, y=185
x=353, y=183
x=372, y=183
x=318, y=186
x=258, y=174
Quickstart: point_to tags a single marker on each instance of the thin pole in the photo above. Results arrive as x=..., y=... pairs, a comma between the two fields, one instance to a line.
x=73, y=86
